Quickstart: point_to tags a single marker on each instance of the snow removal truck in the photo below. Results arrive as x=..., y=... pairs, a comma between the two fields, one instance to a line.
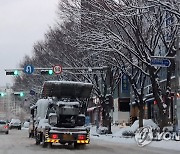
x=60, y=114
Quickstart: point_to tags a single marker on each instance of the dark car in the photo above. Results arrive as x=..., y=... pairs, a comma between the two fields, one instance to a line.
x=15, y=123
x=4, y=127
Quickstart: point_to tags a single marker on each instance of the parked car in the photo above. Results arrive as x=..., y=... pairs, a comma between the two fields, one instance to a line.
x=26, y=124
x=15, y=123
x=4, y=127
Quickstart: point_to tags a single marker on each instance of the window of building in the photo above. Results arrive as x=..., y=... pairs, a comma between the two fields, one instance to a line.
x=123, y=104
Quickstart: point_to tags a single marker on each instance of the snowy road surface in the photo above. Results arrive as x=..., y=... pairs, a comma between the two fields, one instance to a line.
x=17, y=142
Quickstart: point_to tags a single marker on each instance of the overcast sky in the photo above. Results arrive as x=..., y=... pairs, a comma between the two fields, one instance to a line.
x=22, y=23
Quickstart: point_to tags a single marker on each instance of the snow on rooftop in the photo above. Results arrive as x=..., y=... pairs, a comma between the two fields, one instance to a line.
x=66, y=89
x=67, y=82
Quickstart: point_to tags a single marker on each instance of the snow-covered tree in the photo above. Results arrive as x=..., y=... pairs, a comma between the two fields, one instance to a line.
x=128, y=34
x=123, y=35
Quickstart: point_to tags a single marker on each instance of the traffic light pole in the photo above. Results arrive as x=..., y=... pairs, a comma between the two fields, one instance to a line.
x=89, y=69
x=176, y=124
x=176, y=105
x=65, y=68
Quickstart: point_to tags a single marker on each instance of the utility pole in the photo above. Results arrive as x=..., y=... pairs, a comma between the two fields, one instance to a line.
x=176, y=124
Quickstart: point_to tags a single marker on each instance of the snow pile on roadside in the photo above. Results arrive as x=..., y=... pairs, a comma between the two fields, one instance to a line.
x=146, y=122
x=102, y=130
x=134, y=127
x=117, y=132
x=117, y=137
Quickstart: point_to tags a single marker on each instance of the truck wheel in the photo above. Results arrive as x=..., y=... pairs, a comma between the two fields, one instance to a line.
x=30, y=135
x=37, y=140
x=44, y=144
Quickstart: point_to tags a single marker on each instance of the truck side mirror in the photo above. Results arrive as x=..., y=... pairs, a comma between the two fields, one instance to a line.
x=32, y=111
x=52, y=118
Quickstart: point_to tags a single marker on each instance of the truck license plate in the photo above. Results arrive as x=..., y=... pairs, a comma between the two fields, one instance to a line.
x=67, y=137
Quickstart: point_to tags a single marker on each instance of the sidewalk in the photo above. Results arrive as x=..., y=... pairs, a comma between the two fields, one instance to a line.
x=117, y=137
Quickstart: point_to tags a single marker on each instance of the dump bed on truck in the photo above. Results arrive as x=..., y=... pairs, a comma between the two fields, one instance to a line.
x=66, y=89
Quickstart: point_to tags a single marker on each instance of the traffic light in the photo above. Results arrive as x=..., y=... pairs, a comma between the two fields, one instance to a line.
x=15, y=72
x=50, y=72
x=46, y=72
x=2, y=94
x=21, y=94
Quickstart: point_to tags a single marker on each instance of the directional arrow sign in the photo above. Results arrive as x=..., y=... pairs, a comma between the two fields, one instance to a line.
x=161, y=62
x=32, y=92
x=28, y=69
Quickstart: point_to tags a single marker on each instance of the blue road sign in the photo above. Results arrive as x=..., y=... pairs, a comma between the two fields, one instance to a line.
x=124, y=84
x=28, y=69
x=161, y=62
x=32, y=92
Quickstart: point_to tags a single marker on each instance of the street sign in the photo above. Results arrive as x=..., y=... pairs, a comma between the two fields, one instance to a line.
x=57, y=69
x=161, y=62
x=124, y=84
x=28, y=69
x=32, y=92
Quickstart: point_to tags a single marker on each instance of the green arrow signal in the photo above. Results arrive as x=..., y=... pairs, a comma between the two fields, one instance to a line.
x=2, y=94
x=50, y=72
x=16, y=72
x=21, y=94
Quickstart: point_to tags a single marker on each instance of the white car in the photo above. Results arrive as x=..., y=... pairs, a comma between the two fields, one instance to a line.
x=26, y=124
x=4, y=127
x=15, y=123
